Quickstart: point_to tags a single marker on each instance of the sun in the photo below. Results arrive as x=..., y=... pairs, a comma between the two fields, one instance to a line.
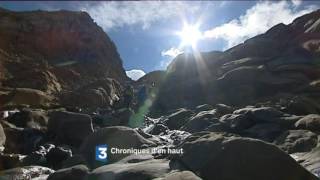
x=190, y=35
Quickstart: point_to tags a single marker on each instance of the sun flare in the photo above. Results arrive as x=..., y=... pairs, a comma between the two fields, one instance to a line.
x=190, y=35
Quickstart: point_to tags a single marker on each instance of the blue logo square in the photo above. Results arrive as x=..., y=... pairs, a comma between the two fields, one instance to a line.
x=101, y=153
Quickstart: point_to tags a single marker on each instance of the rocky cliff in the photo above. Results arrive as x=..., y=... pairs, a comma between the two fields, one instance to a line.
x=66, y=45
x=281, y=64
x=154, y=78
x=55, y=51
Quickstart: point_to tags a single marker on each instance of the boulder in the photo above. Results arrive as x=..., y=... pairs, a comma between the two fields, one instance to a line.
x=293, y=141
x=310, y=122
x=200, y=121
x=204, y=107
x=136, y=158
x=213, y=157
x=269, y=115
x=68, y=127
x=311, y=161
x=265, y=114
x=79, y=172
x=264, y=131
x=57, y=155
x=31, y=97
x=8, y=161
x=114, y=137
x=134, y=171
x=178, y=118
x=180, y=175
x=218, y=127
x=26, y=172
x=27, y=118
x=76, y=159
x=22, y=141
x=237, y=122
x=15, y=141
x=223, y=109
x=302, y=105
x=288, y=121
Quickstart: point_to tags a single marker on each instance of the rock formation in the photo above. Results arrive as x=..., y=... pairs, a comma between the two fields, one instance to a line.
x=55, y=52
x=281, y=64
x=249, y=113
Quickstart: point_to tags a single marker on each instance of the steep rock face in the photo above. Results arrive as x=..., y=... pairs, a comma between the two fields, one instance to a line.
x=46, y=50
x=100, y=93
x=285, y=59
x=155, y=77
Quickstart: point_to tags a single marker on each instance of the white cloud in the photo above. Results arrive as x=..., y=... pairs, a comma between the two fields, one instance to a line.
x=117, y=14
x=172, y=52
x=135, y=74
x=257, y=20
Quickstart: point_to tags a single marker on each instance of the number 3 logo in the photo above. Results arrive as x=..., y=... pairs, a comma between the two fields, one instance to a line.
x=101, y=153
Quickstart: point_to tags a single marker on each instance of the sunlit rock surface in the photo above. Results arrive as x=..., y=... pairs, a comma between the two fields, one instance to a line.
x=285, y=59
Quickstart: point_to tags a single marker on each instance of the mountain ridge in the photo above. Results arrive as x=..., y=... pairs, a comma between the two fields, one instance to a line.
x=282, y=58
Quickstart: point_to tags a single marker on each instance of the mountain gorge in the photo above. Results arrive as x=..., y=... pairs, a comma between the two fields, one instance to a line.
x=248, y=113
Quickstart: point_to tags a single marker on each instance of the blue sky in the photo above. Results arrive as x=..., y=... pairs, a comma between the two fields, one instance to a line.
x=145, y=33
